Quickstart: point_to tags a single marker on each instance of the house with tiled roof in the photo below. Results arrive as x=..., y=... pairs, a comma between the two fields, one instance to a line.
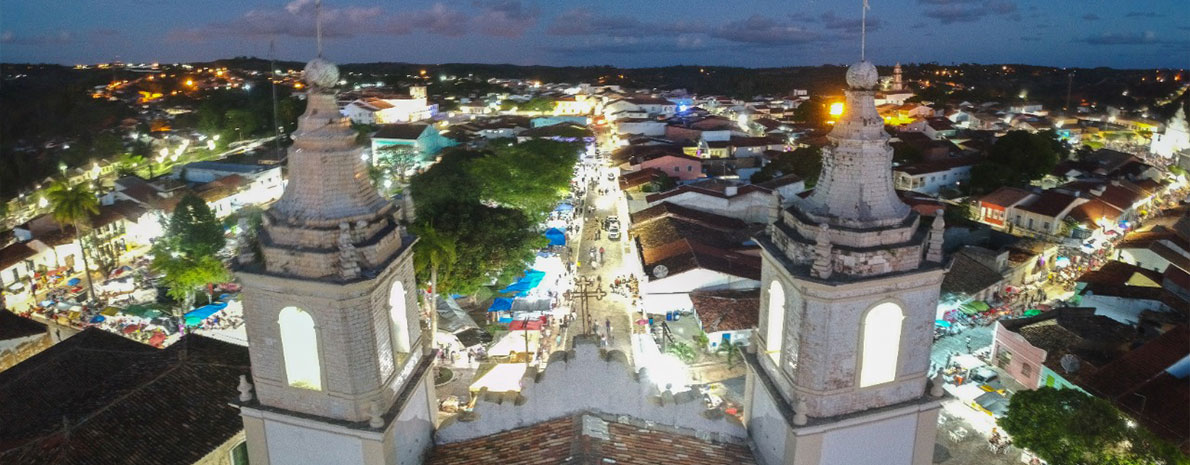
x=1155, y=249
x=682, y=250
x=1044, y=213
x=932, y=177
x=727, y=316
x=1032, y=350
x=994, y=207
x=20, y=338
x=97, y=397
x=1149, y=384
x=976, y=274
x=748, y=202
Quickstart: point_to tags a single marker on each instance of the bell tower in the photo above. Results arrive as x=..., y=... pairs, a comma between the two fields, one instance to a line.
x=338, y=365
x=850, y=282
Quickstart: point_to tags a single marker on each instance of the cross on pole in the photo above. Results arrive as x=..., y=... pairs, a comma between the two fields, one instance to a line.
x=863, y=29
x=318, y=25
x=584, y=289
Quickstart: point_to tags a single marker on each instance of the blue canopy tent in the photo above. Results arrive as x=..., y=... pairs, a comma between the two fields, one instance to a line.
x=194, y=317
x=522, y=286
x=73, y=282
x=501, y=304
x=564, y=207
x=556, y=236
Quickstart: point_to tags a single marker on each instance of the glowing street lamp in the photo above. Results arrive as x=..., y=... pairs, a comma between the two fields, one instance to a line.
x=836, y=109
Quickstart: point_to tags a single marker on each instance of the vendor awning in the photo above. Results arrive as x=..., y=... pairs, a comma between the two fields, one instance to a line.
x=973, y=307
x=526, y=283
x=525, y=325
x=500, y=304
x=515, y=343
x=194, y=317
x=556, y=236
x=564, y=207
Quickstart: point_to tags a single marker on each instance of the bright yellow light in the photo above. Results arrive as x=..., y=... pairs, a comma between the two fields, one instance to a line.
x=836, y=109
x=297, y=85
x=423, y=72
x=190, y=82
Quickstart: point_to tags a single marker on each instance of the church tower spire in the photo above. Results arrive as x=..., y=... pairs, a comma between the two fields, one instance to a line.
x=850, y=282
x=331, y=309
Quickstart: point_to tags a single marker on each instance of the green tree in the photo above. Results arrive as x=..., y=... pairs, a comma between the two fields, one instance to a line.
x=75, y=205
x=731, y=351
x=1066, y=426
x=186, y=254
x=532, y=176
x=906, y=154
x=398, y=159
x=432, y=253
x=813, y=111
x=682, y=351
x=1016, y=159
x=805, y=162
x=244, y=122
x=491, y=243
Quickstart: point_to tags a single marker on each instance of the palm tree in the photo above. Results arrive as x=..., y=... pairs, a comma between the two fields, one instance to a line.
x=432, y=252
x=75, y=205
x=731, y=350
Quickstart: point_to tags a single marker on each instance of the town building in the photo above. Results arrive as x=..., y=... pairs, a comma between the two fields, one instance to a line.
x=423, y=140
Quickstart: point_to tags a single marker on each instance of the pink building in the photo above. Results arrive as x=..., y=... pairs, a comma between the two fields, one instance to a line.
x=683, y=167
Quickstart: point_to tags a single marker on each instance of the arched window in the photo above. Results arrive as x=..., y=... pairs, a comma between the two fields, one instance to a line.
x=299, y=346
x=776, y=320
x=399, y=317
x=881, y=330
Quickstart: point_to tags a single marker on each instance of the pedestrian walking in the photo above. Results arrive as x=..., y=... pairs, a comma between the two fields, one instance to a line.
x=968, y=344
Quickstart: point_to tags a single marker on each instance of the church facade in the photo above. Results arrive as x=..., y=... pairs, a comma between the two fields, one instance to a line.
x=850, y=282
x=340, y=371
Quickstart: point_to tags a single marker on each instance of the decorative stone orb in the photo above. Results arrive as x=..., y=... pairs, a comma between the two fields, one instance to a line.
x=321, y=73
x=862, y=75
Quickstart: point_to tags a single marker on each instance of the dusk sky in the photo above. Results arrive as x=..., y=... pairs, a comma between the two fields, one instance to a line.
x=1083, y=33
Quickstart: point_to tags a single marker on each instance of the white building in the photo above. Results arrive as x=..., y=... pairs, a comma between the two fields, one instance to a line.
x=402, y=109
x=1175, y=138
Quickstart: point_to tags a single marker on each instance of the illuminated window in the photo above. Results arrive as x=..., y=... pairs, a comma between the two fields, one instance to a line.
x=399, y=316
x=299, y=346
x=881, y=331
x=772, y=335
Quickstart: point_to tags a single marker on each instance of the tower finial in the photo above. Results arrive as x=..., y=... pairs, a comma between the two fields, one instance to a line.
x=318, y=24
x=863, y=29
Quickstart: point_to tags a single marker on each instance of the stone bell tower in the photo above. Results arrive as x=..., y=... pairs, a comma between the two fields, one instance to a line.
x=330, y=306
x=851, y=277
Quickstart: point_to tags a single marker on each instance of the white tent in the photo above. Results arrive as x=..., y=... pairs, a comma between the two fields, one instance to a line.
x=504, y=377
x=515, y=342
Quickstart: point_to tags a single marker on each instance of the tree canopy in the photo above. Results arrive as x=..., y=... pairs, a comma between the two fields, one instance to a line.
x=1070, y=427
x=805, y=162
x=186, y=254
x=1016, y=159
x=488, y=205
x=532, y=176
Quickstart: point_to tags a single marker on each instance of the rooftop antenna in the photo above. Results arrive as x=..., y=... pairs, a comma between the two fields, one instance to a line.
x=863, y=30
x=318, y=24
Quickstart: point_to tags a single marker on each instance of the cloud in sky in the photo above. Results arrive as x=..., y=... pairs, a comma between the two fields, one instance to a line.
x=1142, y=14
x=504, y=18
x=755, y=30
x=1091, y=17
x=1125, y=38
x=57, y=38
x=966, y=11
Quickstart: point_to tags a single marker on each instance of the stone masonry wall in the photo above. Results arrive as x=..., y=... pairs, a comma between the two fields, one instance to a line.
x=587, y=379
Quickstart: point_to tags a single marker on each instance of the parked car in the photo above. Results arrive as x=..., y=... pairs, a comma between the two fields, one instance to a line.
x=613, y=232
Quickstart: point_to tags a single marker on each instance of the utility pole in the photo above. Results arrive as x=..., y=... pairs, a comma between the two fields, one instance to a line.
x=1069, y=82
x=273, y=83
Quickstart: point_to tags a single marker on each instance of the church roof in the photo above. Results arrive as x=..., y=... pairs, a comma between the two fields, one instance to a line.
x=589, y=439
x=101, y=398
